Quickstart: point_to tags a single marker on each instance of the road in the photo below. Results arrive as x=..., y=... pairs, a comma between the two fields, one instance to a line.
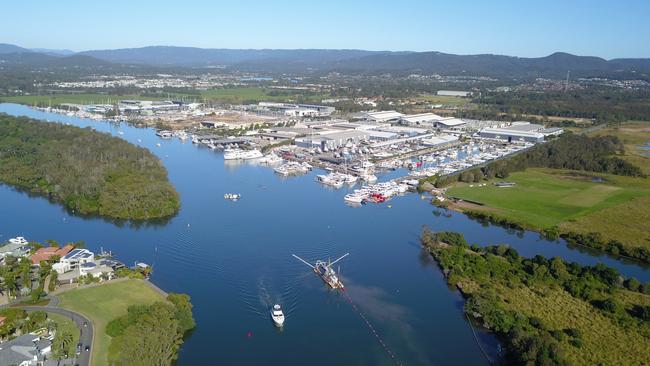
x=86, y=337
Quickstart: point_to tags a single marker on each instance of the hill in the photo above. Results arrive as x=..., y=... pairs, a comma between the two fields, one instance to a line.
x=10, y=48
x=320, y=61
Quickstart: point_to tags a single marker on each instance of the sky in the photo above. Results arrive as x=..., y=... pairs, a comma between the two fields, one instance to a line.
x=526, y=28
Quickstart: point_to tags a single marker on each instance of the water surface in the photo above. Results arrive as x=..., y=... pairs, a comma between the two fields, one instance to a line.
x=234, y=259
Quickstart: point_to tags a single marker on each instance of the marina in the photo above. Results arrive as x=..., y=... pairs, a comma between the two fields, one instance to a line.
x=212, y=251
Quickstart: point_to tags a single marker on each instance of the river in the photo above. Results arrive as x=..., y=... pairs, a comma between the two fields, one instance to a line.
x=234, y=260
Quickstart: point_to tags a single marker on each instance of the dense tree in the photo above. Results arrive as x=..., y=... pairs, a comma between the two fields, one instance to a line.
x=88, y=171
x=152, y=340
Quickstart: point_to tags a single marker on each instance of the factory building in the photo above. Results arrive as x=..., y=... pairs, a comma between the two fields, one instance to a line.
x=423, y=119
x=381, y=117
x=332, y=140
x=521, y=131
x=449, y=122
x=298, y=110
x=511, y=135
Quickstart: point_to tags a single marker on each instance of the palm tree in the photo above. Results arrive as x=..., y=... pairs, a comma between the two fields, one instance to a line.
x=61, y=344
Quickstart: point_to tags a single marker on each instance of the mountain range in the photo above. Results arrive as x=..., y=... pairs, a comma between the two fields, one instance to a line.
x=322, y=61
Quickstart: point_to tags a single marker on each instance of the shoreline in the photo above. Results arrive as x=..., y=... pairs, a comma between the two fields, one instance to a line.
x=492, y=217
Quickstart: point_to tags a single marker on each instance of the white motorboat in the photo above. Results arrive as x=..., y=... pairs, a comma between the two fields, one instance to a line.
x=277, y=315
x=354, y=198
x=18, y=240
x=232, y=196
x=238, y=154
x=271, y=159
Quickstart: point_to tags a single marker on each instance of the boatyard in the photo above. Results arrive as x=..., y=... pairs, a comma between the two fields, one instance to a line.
x=293, y=139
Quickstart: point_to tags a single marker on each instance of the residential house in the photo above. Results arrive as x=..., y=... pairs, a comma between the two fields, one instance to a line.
x=26, y=350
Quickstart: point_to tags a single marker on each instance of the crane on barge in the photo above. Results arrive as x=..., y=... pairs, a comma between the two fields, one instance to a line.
x=325, y=271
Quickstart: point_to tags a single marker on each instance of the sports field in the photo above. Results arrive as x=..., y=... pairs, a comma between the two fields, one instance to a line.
x=105, y=302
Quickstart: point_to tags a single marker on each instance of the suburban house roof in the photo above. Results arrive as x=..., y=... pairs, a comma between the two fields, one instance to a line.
x=21, y=349
x=44, y=254
x=78, y=254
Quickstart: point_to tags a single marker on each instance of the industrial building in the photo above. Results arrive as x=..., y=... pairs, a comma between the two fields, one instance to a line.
x=381, y=117
x=332, y=140
x=520, y=131
x=449, y=122
x=423, y=119
x=298, y=110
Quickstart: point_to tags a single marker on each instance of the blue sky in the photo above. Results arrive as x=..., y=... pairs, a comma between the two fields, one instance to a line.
x=527, y=28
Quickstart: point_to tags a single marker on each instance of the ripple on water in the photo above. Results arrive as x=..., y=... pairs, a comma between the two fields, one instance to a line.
x=183, y=250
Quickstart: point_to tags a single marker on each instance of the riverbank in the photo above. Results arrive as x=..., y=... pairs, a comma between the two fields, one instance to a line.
x=601, y=211
x=547, y=310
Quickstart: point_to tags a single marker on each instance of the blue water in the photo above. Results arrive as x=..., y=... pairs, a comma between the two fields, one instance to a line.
x=234, y=259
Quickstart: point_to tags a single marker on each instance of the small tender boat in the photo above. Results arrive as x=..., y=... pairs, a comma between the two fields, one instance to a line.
x=232, y=196
x=277, y=315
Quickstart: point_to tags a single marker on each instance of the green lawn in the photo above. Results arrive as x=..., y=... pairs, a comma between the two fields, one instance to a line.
x=104, y=303
x=544, y=198
x=256, y=94
x=443, y=99
x=84, y=98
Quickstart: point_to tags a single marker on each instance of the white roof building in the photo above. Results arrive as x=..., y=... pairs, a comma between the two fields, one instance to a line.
x=419, y=119
x=383, y=116
x=454, y=93
x=449, y=122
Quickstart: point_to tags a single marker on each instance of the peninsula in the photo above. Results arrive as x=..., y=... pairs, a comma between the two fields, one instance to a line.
x=87, y=171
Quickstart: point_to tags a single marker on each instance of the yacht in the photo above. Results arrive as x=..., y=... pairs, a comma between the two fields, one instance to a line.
x=370, y=178
x=232, y=196
x=271, y=159
x=164, y=134
x=18, y=240
x=277, y=315
x=354, y=198
x=238, y=154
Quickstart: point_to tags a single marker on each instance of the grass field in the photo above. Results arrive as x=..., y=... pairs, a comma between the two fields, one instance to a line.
x=104, y=303
x=256, y=94
x=442, y=99
x=543, y=198
x=85, y=98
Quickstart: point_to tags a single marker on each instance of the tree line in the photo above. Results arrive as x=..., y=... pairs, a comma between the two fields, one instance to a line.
x=87, y=171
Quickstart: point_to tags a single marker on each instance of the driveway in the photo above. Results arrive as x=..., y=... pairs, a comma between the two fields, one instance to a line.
x=86, y=337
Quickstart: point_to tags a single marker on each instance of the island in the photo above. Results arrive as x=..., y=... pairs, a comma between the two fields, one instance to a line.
x=547, y=311
x=87, y=171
